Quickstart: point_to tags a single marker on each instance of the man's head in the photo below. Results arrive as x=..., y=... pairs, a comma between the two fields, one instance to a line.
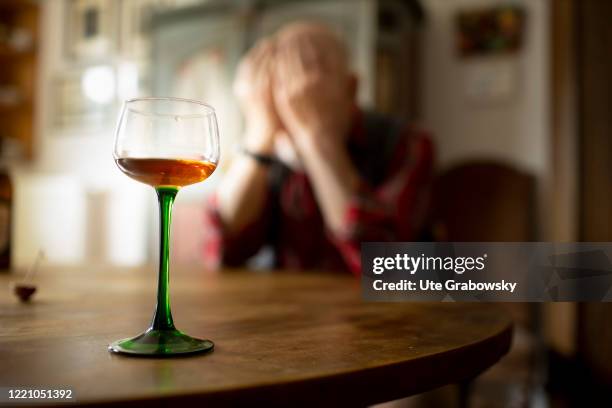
x=323, y=47
x=298, y=81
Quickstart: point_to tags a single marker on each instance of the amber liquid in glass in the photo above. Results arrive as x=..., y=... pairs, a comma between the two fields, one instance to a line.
x=166, y=172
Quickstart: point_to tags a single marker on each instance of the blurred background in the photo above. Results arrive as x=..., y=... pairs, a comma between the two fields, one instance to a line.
x=517, y=95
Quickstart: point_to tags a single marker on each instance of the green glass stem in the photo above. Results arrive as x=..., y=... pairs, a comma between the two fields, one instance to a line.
x=162, y=338
x=162, y=320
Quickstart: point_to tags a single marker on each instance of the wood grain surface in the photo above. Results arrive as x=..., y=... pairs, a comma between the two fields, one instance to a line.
x=280, y=339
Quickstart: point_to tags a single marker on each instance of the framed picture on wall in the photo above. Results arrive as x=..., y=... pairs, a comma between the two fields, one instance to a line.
x=490, y=31
x=91, y=29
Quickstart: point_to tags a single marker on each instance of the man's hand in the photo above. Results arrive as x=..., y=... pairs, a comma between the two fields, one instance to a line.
x=312, y=94
x=253, y=88
x=243, y=198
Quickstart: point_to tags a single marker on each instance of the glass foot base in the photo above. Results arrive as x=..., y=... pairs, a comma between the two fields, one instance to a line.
x=159, y=343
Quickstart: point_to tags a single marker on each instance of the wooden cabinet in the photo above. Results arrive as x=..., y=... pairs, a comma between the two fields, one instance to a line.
x=18, y=62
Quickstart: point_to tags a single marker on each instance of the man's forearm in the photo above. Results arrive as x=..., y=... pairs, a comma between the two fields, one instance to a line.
x=243, y=193
x=333, y=176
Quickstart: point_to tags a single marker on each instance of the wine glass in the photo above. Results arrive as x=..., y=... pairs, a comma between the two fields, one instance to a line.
x=167, y=143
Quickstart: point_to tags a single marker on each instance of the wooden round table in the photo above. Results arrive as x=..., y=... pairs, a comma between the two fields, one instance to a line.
x=280, y=339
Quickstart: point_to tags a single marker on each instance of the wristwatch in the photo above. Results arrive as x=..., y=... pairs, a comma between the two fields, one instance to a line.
x=264, y=159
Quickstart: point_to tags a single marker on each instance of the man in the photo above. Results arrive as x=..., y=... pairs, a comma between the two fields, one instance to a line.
x=316, y=176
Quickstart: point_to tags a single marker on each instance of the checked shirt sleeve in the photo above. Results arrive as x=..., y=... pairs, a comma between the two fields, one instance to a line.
x=396, y=210
x=224, y=249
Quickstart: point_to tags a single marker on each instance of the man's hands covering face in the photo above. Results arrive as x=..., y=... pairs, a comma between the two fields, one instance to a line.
x=312, y=91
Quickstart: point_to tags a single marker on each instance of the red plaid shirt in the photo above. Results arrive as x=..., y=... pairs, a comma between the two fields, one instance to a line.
x=395, y=208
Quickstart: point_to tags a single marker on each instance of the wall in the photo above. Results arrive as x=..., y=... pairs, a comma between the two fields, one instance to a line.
x=514, y=128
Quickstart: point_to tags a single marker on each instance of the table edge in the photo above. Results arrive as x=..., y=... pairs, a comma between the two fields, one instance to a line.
x=367, y=386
